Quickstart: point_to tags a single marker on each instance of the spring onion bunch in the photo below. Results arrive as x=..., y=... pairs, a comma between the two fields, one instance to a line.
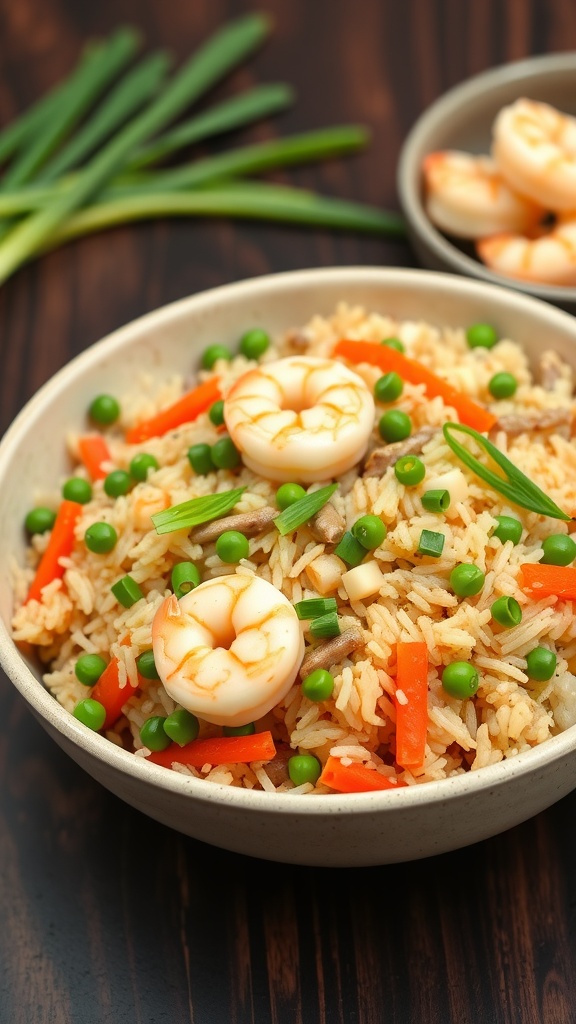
x=90, y=153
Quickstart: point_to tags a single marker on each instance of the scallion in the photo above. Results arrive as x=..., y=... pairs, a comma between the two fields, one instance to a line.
x=127, y=591
x=198, y=510
x=302, y=510
x=350, y=550
x=325, y=626
x=431, y=543
x=313, y=607
x=515, y=486
x=436, y=501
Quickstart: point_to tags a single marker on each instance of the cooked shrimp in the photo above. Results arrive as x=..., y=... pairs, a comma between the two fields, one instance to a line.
x=229, y=650
x=548, y=259
x=534, y=146
x=300, y=418
x=467, y=196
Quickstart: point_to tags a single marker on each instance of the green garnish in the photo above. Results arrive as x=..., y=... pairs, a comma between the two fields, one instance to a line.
x=436, y=501
x=198, y=510
x=431, y=543
x=126, y=591
x=302, y=510
x=350, y=550
x=313, y=607
x=515, y=486
x=325, y=626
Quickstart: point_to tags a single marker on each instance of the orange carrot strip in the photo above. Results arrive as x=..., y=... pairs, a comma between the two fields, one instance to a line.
x=543, y=580
x=59, y=546
x=412, y=716
x=388, y=359
x=183, y=411
x=354, y=778
x=110, y=694
x=93, y=451
x=218, y=750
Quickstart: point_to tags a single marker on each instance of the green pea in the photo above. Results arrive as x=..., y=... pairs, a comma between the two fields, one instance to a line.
x=213, y=353
x=409, y=470
x=152, y=733
x=146, y=665
x=254, y=343
x=394, y=343
x=508, y=528
x=506, y=611
x=319, y=685
x=100, y=538
x=239, y=730
x=39, y=519
x=231, y=546
x=181, y=726
x=77, y=489
x=200, y=459
x=395, y=425
x=460, y=679
x=91, y=713
x=389, y=387
x=104, y=409
x=216, y=413
x=559, y=549
x=117, y=482
x=304, y=768
x=466, y=580
x=502, y=385
x=541, y=664
x=141, y=465
x=369, y=531
x=225, y=454
x=89, y=668
x=287, y=494
x=481, y=336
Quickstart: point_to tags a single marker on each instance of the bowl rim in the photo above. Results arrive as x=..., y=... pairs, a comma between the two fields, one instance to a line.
x=408, y=175
x=98, y=747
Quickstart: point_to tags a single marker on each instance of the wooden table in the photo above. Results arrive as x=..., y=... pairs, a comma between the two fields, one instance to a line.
x=105, y=915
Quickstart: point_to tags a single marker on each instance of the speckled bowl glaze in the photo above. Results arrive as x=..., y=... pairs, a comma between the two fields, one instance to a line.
x=333, y=830
x=462, y=119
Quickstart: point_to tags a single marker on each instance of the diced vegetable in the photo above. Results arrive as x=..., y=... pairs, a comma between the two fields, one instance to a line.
x=350, y=550
x=59, y=546
x=94, y=452
x=315, y=606
x=127, y=591
x=219, y=750
x=363, y=581
x=325, y=626
x=431, y=543
x=110, y=694
x=185, y=410
x=355, y=778
x=412, y=708
x=542, y=580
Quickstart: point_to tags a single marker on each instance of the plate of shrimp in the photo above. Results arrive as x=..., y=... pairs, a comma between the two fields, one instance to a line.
x=487, y=178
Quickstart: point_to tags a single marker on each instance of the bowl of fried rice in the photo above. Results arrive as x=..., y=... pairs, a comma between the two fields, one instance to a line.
x=291, y=566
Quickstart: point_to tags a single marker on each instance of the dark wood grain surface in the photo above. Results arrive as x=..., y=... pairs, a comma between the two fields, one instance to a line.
x=106, y=916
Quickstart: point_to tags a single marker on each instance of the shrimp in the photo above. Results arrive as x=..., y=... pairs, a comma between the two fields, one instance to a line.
x=300, y=418
x=548, y=259
x=229, y=650
x=534, y=146
x=468, y=197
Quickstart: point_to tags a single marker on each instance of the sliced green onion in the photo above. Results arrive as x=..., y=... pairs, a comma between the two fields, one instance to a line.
x=313, y=607
x=126, y=591
x=350, y=550
x=515, y=486
x=431, y=543
x=302, y=510
x=436, y=501
x=198, y=510
x=325, y=626
x=185, y=576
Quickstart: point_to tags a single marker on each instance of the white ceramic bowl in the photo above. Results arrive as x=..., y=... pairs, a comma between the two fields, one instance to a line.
x=462, y=119
x=335, y=830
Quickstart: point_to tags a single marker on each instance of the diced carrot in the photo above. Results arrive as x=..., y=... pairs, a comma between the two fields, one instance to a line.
x=218, y=750
x=355, y=778
x=59, y=546
x=94, y=451
x=185, y=410
x=389, y=359
x=110, y=694
x=412, y=710
x=543, y=580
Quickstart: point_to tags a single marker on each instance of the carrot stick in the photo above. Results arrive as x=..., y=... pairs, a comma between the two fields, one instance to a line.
x=412, y=715
x=93, y=451
x=543, y=580
x=354, y=778
x=59, y=546
x=183, y=411
x=388, y=359
x=218, y=750
x=110, y=694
